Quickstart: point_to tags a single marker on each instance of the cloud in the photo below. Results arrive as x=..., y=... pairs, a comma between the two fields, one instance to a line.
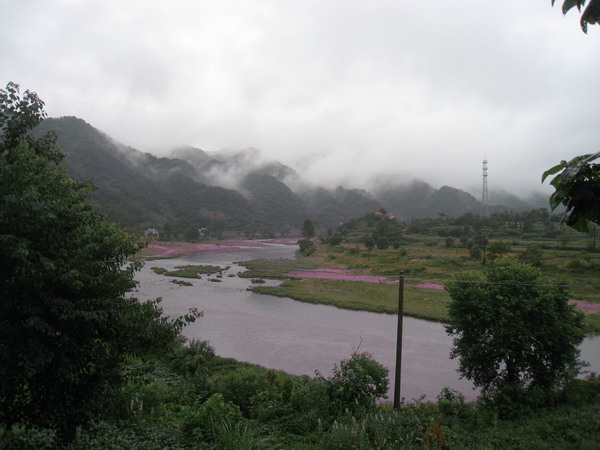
x=341, y=90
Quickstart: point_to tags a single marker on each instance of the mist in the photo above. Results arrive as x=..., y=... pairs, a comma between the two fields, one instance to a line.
x=344, y=92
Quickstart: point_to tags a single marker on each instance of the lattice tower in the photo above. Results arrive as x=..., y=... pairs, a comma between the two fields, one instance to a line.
x=484, y=192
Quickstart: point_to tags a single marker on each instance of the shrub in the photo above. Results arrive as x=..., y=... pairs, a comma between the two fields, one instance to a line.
x=240, y=387
x=307, y=247
x=357, y=383
x=20, y=436
x=199, y=418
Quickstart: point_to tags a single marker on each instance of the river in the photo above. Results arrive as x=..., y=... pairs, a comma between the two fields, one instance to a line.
x=300, y=338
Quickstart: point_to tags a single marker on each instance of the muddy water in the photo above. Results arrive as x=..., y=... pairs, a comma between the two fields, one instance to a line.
x=300, y=338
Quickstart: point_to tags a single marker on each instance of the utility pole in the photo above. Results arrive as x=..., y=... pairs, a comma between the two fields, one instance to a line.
x=484, y=242
x=398, y=377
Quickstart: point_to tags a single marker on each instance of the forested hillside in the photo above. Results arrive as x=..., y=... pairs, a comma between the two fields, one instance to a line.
x=230, y=191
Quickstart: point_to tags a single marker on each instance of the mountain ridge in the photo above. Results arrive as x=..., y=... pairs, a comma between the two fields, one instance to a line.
x=231, y=190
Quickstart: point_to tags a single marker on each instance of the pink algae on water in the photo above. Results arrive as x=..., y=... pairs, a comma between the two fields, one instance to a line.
x=163, y=249
x=340, y=275
x=586, y=308
x=348, y=275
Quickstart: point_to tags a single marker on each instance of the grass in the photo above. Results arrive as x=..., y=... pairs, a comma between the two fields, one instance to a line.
x=422, y=263
x=426, y=304
x=275, y=269
x=591, y=324
x=190, y=271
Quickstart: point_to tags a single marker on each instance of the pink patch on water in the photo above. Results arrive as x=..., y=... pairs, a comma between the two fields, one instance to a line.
x=435, y=286
x=340, y=275
x=178, y=248
x=587, y=308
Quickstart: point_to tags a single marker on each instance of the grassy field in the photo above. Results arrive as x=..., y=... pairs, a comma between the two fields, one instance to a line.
x=425, y=263
x=376, y=297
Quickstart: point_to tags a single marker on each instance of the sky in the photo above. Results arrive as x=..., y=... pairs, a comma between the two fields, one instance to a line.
x=344, y=91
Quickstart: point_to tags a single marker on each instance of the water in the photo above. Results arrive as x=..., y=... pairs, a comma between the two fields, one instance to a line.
x=300, y=338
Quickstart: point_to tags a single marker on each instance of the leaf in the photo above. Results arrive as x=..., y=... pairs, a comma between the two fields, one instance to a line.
x=553, y=170
x=568, y=4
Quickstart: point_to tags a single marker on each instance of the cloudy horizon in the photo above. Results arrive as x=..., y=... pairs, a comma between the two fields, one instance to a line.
x=343, y=91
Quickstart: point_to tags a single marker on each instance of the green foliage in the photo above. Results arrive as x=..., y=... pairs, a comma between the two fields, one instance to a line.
x=532, y=254
x=516, y=339
x=308, y=229
x=475, y=252
x=335, y=239
x=240, y=387
x=192, y=233
x=498, y=249
x=591, y=323
x=591, y=14
x=198, y=420
x=577, y=187
x=66, y=322
x=20, y=436
x=357, y=383
x=192, y=271
x=382, y=243
x=426, y=304
x=307, y=247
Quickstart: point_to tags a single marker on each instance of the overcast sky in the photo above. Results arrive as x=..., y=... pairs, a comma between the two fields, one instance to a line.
x=341, y=90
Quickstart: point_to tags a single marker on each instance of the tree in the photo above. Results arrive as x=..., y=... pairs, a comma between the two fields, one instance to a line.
x=335, y=239
x=475, y=252
x=498, y=249
x=308, y=229
x=532, y=255
x=66, y=324
x=167, y=230
x=514, y=337
x=591, y=14
x=369, y=243
x=307, y=247
x=577, y=187
x=356, y=383
x=192, y=233
x=382, y=243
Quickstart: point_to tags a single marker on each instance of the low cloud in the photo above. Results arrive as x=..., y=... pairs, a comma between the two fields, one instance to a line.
x=343, y=91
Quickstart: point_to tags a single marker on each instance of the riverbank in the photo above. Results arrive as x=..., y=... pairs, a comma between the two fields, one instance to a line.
x=360, y=290
x=322, y=280
x=164, y=249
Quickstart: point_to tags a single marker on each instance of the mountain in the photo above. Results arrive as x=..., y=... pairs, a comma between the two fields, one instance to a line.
x=140, y=190
x=233, y=190
x=335, y=207
x=273, y=200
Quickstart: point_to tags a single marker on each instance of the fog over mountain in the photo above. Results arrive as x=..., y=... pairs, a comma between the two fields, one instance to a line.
x=342, y=91
x=236, y=191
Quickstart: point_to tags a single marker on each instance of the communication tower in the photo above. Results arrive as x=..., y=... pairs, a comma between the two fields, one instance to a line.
x=484, y=192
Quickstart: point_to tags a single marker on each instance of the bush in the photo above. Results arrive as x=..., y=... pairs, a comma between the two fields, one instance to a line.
x=294, y=404
x=307, y=247
x=240, y=387
x=357, y=383
x=198, y=419
x=20, y=436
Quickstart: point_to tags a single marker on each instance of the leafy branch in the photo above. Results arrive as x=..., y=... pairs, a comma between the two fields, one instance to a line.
x=591, y=14
x=578, y=189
